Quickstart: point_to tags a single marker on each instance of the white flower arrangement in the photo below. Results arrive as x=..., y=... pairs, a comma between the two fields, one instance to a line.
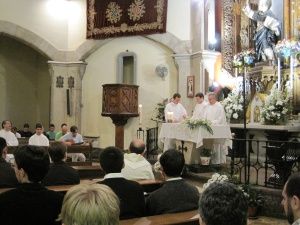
x=216, y=177
x=276, y=107
x=233, y=106
x=195, y=123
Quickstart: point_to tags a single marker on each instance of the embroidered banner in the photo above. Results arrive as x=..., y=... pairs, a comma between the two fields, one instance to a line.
x=106, y=18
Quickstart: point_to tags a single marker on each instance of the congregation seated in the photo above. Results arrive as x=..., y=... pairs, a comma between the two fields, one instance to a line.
x=59, y=172
x=130, y=193
x=30, y=203
x=39, y=139
x=71, y=138
x=176, y=195
x=223, y=203
x=136, y=166
x=26, y=132
x=7, y=174
x=90, y=204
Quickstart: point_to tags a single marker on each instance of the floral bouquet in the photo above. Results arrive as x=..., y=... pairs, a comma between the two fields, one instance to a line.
x=254, y=198
x=216, y=177
x=244, y=58
x=233, y=106
x=160, y=110
x=195, y=123
x=276, y=107
x=286, y=48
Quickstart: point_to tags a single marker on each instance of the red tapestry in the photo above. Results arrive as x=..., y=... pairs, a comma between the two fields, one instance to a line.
x=106, y=18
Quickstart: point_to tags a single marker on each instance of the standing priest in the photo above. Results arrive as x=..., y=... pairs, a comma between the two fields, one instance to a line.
x=215, y=113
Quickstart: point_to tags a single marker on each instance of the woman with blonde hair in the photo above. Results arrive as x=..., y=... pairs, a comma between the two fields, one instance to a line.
x=93, y=204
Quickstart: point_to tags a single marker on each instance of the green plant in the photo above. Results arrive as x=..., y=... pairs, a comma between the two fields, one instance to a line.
x=205, y=152
x=195, y=123
x=254, y=198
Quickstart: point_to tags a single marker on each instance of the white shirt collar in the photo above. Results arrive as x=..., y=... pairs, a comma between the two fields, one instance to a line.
x=174, y=178
x=113, y=175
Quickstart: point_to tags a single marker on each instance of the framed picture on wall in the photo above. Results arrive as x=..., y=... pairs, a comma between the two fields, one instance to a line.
x=190, y=86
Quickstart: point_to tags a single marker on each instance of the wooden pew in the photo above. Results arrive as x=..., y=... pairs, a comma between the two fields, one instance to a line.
x=70, y=149
x=182, y=218
x=65, y=188
x=89, y=171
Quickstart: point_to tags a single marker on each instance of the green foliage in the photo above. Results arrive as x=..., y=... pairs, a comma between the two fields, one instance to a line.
x=205, y=152
x=194, y=123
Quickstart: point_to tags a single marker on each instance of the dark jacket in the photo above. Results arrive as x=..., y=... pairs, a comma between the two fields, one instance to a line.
x=30, y=204
x=173, y=196
x=131, y=196
x=7, y=175
x=61, y=174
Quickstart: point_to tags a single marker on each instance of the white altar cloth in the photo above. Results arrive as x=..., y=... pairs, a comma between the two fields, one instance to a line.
x=181, y=131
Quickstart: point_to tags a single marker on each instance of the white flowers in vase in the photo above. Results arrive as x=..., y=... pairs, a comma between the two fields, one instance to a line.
x=233, y=106
x=276, y=107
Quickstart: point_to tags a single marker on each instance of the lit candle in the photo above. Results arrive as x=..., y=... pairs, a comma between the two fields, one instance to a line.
x=292, y=72
x=140, y=114
x=278, y=72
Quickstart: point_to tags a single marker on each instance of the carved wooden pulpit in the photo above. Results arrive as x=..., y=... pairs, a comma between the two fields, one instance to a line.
x=120, y=102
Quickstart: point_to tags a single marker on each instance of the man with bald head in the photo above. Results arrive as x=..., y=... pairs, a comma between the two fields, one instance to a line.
x=136, y=166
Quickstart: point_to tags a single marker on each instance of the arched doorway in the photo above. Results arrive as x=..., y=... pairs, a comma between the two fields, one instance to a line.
x=24, y=83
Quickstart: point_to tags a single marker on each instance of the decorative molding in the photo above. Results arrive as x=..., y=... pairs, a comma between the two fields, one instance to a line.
x=227, y=35
x=71, y=82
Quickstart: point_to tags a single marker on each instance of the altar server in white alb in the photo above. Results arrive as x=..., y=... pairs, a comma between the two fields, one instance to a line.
x=175, y=107
x=6, y=133
x=38, y=139
x=215, y=113
x=178, y=114
x=199, y=109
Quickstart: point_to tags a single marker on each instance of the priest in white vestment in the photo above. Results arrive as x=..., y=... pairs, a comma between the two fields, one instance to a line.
x=38, y=139
x=178, y=114
x=199, y=109
x=6, y=133
x=9, y=137
x=215, y=113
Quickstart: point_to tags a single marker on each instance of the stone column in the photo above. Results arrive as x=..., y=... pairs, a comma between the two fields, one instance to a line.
x=66, y=92
x=183, y=63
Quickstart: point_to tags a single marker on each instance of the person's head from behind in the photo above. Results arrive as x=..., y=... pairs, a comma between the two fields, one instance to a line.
x=137, y=146
x=6, y=125
x=212, y=98
x=64, y=128
x=39, y=129
x=264, y=5
x=90, y=204
x=291, y=198
x=14, y=130
x=199, y=97
x=172, y=163
x=176, y=98
x=26, y=127
x=51, y=127
x=31, y=163
x=3, y=147
x=112, y=160
x=74, y=130
x=223, y=204
x=57, y=152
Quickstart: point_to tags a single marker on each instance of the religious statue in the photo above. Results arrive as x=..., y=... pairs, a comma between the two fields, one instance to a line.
x=268, y=29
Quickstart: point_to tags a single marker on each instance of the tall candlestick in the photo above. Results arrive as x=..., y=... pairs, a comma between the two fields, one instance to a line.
x=278, y=72
x=140, y=114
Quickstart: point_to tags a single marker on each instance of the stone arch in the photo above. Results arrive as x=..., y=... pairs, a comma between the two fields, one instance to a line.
x=30, y=39
x=167, y=39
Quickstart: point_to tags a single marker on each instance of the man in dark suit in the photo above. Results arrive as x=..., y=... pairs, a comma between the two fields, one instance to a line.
x=176, y=195
x=60, y=173
x=7, y=174
x=130, y=193
x=30, y=203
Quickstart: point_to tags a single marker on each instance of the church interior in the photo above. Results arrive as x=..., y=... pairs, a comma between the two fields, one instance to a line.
x=109, y=69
